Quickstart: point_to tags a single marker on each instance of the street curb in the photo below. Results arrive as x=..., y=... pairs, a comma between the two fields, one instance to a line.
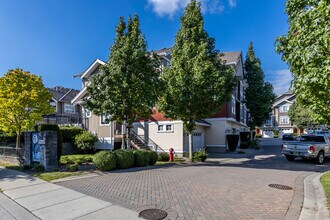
x=296, y=204
x=315, y=202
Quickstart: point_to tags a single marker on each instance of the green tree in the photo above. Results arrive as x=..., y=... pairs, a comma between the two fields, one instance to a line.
x=197, y=83
x=259, y=96
x=23, y=101
x=127, y=87
x=306, y=49
x=301, y=116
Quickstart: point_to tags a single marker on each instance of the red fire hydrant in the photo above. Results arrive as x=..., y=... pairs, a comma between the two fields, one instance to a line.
x=171, y=154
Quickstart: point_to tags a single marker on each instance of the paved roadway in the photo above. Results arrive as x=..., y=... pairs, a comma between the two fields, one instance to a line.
x=231, y=189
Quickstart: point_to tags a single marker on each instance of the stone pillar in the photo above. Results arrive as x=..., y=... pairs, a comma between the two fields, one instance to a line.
x=48, y=149
x=28, y=148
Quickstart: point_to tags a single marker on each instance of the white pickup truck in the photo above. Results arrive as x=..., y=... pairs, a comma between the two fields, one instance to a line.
x=308, y=146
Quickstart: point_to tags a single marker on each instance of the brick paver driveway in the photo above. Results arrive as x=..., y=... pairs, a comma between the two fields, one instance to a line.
x=235, y=189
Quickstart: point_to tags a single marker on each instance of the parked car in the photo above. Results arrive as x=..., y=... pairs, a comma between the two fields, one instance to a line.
x=309, y=147
x=287, y=137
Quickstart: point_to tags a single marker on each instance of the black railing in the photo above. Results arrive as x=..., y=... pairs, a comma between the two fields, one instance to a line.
x=150, y=143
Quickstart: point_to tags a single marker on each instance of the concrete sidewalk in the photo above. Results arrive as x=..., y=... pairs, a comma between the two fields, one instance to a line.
x=26, y=197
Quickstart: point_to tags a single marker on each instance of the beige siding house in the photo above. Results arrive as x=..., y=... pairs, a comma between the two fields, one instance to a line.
x=159, y=132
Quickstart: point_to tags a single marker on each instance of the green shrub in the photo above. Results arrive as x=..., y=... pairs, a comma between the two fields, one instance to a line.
x=86, y=141
x=244, y=144
x=153, y=157
x=258, y=135
x=70, y=132
x=163, y=157
x=72, y=168
x=39, y=167
x=200, y=156
x=76, y=159
x=186, y=154
x=254, y=144
x=27, y=167
x=275, y=136
x=105, y=160
x=52, y=127
x=276, y=132
x=125, y=159
x=141, y=158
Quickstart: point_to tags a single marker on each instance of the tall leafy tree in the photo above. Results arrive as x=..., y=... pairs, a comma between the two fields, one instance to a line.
x=259, y=96
x=127, y=87
x=306, y=49
x=23, y=101
x=301, y=116
x=197, y=83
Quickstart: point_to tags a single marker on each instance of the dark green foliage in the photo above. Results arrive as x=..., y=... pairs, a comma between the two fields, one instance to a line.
x=105, y=160
x=77, y=159
x=197, y=83
x=52, y=127
x=163, y=157
x=200, y=156
x=9, y=139
x=72, y=168
x=39, y=167
x=85, y=141
x=69, y=133
x=128, y=86
x=125, y=159
x=141, y=158
x=254, y=144
x=153, y=157
x=259, y=96
x=244, y=144
x=27, y=167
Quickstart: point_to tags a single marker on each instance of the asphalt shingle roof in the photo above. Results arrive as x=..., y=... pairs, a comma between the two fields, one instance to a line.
x=63, y=94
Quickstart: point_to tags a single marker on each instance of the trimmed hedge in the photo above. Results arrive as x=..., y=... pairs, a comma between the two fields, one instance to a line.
x=52, y=127
x=125, y=159
x=153, y=157
x=105, y=160
x=141, y=158
x=69, y=133
x=164, y=157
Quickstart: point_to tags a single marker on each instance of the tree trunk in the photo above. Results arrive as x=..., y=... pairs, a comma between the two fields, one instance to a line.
x=123, y=131
x=18, y=139
x=191, y=137
x=128, y=137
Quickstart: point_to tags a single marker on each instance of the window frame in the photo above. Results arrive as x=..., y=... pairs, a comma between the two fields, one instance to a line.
x=164, y=128
x=71, y=106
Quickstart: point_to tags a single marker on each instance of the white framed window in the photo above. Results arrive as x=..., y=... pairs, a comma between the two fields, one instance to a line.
x=284, y=108
x=105, y=120
x=165, y=128
x=284, y=120
x=68, y=108
x=233, y=104
x=87, y=113
x=53, y=104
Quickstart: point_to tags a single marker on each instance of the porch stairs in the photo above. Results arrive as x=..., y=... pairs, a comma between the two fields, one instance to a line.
x=139, y=142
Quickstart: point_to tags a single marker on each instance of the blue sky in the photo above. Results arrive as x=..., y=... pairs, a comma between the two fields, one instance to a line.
x=59, y=38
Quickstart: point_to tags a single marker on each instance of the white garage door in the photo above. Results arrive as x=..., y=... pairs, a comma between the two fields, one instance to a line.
x=198, y=141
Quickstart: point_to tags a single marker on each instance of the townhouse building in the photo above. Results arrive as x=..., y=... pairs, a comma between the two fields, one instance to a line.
x=159, y=132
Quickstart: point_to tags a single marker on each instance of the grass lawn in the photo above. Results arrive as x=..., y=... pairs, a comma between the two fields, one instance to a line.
x=325, y=180
x=176, y=161
x=47, y=176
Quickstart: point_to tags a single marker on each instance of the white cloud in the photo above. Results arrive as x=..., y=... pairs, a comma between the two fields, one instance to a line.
x=232, y=3
x=280, y=79
x=170, y=7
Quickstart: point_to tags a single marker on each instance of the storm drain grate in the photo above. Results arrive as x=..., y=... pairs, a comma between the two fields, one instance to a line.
x=153, y=214
x=279, y=186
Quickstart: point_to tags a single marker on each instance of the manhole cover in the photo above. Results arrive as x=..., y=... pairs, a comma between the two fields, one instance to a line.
x=279, y=186
x=154, y=214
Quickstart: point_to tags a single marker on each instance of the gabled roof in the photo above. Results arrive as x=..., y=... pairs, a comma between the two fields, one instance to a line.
x=62, y=94
x=92, y=68
x=287, y=97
